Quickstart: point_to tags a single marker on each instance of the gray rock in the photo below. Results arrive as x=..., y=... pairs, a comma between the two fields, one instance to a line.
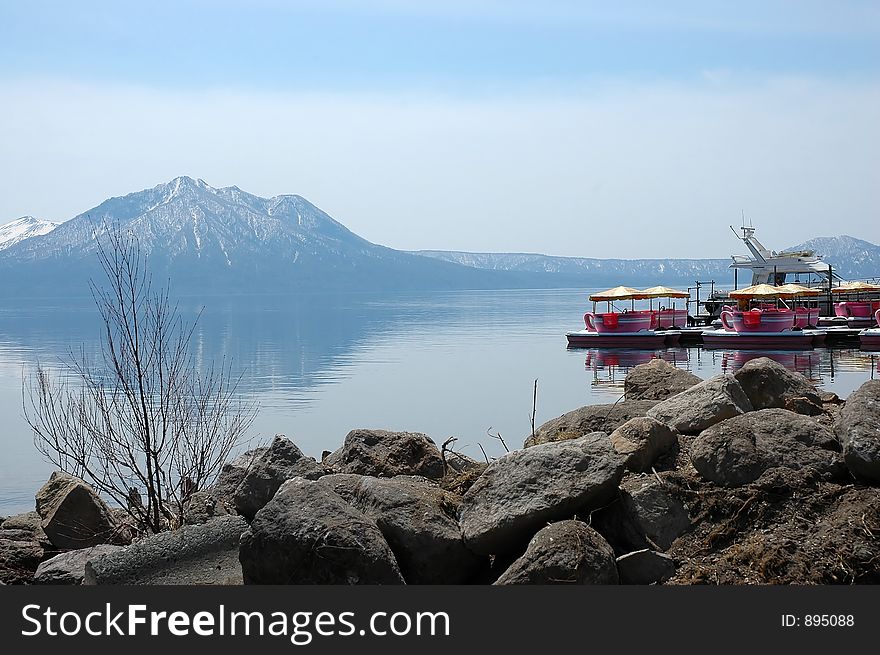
x=567, y=552
x=737, y=451
x=74, y=516
x=308, y=534
x=30, y=523
x=281, y=461
x=204, y=554
x=19, y=560
x=418, y=520
x=640, y=441
x=858, y=427
x=657, y=380
x=806, y=405
x=380, y=453
x=459, y=463
x=346, y=485
x=203, y=506
x=592, y=418
x=768, y=384
x=233, y=473
x=17, y=535
x=654, y=512
x=524, y=489
x=703, y=405
x=69, y=568
x=645, y=567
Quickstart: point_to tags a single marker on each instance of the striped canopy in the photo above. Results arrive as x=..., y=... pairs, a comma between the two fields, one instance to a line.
x=664, y=292
x=618, y=293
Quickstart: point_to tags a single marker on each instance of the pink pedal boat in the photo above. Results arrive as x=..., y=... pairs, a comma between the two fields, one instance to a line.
x=870, y=339
x=766, y=326
x=623, y=329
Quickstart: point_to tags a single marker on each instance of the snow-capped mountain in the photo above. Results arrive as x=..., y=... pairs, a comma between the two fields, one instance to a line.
x=205, y=238
x=23, y=228
x=851, y=258
x=224, y=239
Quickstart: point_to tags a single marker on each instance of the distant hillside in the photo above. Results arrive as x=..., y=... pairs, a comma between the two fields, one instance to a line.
x=851, y=258
x=600, y=271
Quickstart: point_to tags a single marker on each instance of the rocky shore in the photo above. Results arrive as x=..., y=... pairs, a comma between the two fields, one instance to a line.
x=751, y=478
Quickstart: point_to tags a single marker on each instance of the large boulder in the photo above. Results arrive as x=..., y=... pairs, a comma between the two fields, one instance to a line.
x=769, y=384
x=567, y=552
x=655, y=513
x=73, y=515
x=641, y=440
x=18, y=560
x=738, y=450
x=645, y=567
x=233, y=473
x=591, y=418
x=418, y=520
x=858, y=427
x=193, y=555
x=524, y=489
x=380, y=453
x=281, y=461
x=69, y=568
x=203, y=506
x=657, y=380
x=308, y=534
x=703, y=405
x=30, y=524
x=646, y=514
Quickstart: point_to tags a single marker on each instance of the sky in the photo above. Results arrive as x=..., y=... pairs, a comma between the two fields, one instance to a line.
x=595, y=129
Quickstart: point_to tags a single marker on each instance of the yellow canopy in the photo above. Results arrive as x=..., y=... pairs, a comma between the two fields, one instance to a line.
x=759, y=291
x=794, y=290
x=618, y=293
x=853, y=287
x=664, y=292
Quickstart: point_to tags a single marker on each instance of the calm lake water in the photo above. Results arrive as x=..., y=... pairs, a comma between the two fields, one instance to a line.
x=447, y=364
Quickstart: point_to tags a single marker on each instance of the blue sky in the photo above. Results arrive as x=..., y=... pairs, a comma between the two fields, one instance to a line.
x=527, y=126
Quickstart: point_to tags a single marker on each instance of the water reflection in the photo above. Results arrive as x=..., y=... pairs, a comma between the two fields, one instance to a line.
x=447, y=364
x=825, y=367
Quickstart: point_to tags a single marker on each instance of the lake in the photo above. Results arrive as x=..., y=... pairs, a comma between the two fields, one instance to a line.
x=448, y=364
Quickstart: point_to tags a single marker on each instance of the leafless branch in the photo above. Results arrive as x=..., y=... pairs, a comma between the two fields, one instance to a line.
x=146, y=421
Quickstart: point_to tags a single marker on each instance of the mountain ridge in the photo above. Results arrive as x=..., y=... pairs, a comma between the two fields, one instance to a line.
x=206, y=238
x=225, y=239
x=23, y=228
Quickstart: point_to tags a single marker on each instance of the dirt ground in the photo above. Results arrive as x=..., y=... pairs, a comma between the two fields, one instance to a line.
x=788, y=527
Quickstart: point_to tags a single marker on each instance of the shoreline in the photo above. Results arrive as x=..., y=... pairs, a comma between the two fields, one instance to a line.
x=750, y=478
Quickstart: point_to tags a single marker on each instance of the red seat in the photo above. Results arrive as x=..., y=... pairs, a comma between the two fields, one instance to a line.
x=752, y=318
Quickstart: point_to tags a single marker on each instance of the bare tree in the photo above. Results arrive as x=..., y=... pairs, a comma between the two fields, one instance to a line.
x=149, y=425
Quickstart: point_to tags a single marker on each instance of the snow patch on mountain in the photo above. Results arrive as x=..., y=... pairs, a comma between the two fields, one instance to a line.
x=23, y=228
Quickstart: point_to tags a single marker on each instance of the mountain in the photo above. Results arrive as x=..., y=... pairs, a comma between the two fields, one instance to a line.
x=610, y=271
x=851, y=258
x=224, y=239
x=221, y=240
x=23, y=228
